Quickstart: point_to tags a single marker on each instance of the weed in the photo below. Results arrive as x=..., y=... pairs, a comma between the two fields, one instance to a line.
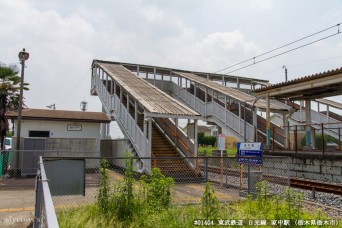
x=210, y=204
x=103, y=191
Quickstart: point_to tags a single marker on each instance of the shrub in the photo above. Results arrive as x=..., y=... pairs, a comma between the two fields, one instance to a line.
x=210, y=204
x=157, y=189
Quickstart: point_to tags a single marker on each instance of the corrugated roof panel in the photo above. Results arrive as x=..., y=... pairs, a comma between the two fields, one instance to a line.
x=149, y=96
x=231, y=92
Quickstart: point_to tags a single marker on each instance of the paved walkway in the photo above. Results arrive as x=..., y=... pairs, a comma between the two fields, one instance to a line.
x=16, y=208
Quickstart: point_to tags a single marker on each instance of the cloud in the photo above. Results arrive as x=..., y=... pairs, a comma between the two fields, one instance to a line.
x=261, y=4
x=215, y=51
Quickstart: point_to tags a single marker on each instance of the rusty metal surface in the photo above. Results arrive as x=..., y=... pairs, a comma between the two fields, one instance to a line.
x=302, y=79
x=150, y=97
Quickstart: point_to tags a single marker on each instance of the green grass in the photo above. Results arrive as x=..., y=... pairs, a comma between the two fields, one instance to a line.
x=209, y=151
x=184, y=216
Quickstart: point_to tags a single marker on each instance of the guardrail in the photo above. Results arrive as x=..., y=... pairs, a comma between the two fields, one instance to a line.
x=45, y=215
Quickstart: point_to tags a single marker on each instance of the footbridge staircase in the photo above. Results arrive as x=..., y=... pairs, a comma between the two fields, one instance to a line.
x=148, y=118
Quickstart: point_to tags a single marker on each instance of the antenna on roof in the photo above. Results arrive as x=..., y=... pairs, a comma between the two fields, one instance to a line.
x=83, y=105
x=53, y=106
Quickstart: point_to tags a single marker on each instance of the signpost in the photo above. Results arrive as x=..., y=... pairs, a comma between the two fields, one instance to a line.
x=249, y=153
x=221, y=145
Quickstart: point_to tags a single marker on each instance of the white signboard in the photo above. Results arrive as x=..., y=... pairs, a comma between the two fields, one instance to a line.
x=221, y=142
x=72, y=127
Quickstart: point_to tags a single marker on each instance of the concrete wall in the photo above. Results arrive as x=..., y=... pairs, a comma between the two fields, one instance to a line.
x=59, y=129
x=61, y=147
x=115, y=148
x=311, y=166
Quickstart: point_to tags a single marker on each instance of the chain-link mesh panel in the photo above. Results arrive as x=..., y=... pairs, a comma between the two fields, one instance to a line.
x=228, y=177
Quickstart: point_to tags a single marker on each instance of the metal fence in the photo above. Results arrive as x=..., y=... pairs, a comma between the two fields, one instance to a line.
x=229, y=178
x=19, y=168
x=321, y=138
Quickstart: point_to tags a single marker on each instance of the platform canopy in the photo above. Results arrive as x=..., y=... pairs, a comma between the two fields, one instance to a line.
x=311, y=87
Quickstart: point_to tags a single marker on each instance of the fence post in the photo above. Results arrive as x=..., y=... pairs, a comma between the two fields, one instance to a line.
x=37, y=210
x=248, y=178
x=323, y=144
x=206, y=166
x=295, y=138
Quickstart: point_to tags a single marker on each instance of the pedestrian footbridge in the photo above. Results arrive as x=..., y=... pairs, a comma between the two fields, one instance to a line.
x=147, y=102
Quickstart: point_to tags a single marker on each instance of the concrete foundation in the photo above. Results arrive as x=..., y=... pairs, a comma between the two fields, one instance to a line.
x=313, y=166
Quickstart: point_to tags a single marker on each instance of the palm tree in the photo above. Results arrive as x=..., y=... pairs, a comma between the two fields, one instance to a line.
x=9, y=97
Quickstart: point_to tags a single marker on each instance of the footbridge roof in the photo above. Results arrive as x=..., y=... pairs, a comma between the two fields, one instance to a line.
x=155, y=102
x=233, y=93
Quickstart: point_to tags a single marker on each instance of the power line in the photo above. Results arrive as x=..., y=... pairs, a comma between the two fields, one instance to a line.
x=74, y=89
x=288, y=44
x=282, y=53
x=301, y=64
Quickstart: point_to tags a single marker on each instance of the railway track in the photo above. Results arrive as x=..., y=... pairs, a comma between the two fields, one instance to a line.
x=294, y=182
x=316, y=186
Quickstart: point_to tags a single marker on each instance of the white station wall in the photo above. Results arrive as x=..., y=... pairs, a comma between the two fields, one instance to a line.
x=59, y=129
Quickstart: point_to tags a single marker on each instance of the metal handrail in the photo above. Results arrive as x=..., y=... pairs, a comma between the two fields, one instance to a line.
x=50, y=213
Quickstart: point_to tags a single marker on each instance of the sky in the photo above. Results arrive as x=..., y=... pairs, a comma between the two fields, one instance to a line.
x=63, y=37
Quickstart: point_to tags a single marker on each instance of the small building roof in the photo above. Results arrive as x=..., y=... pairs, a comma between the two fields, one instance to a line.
x=60, y=115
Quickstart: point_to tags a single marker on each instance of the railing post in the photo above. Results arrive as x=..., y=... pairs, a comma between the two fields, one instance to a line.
x=323, y=144
x=339, y=137
x=273, y=139
x=295, y=138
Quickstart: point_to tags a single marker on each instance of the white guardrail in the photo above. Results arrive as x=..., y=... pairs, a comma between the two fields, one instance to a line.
x=45, y=215
x=123, y=117
x=216, y=111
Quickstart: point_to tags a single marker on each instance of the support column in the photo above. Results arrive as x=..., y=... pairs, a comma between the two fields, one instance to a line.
x=327, y=113
x=223, y=80
x=268, y=122
x=286, y=129
x=138, y=71
x=225, y=109
x=300, y=111
x=149, y=151
x=136, y=112
x=195, y=95
x=239, y=104
x=206, y=99
x=103, y=126
x=255, y=123
x=308, y=122
x=195, y=138
x=154, y=76
x=176, y=126
x=127, y=105
x=237, y=83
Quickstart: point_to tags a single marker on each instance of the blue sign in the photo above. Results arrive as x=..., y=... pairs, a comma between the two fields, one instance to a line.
x=249, y=153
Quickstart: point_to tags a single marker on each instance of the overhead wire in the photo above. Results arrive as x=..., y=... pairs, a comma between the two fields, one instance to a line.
x=74, y=89
x=285, y=45
x=282, y=53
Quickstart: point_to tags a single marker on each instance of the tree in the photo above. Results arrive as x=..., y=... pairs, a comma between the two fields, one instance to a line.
x=9, y=97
